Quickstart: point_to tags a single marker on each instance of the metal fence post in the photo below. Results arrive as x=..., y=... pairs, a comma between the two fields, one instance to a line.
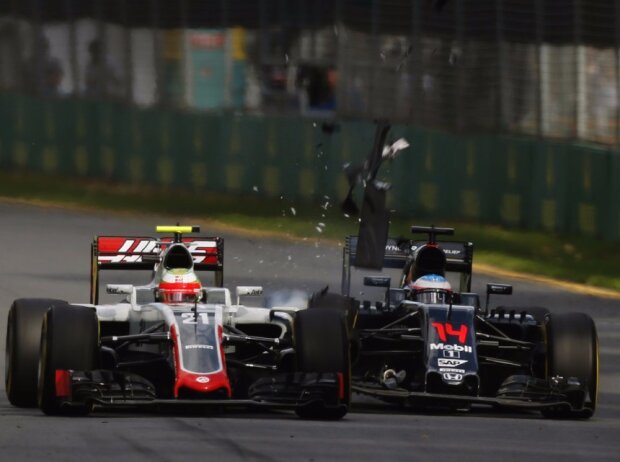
x=187, y=92
x=458, y=94
x=617, y=61
x=376, y=17
x=540, y=4
x=72, y=46
x=128, y=54
x=228, y=55
x=581, y=96
x=159, y=80
x=416, y=58
x=501, y=66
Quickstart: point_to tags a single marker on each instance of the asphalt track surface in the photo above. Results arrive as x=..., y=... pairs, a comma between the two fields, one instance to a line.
x=45, y=252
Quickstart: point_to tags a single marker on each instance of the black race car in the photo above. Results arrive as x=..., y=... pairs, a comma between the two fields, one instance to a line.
x=441, y=347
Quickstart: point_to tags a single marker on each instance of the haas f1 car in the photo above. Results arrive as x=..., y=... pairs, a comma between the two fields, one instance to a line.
x=428, y=345
x=174, y=342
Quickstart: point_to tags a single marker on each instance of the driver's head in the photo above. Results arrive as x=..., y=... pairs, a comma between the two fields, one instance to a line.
x=179, y=285
x=431, y=289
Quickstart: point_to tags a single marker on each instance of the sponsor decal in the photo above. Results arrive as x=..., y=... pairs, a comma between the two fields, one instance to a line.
x=392, y=248
x=198, y=347
x=202, y=379
x=450, y=362
x=449, y=369
x=443, y=346
x=451, y=354
x=445, y=329
x=132, y=246
x=201, y=251
x=253, y=292
x=451, y=377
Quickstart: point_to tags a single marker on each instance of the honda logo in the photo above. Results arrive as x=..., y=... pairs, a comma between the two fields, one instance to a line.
x=451, y=377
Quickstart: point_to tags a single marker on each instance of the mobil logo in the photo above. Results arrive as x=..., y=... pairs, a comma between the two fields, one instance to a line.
x=448, y=347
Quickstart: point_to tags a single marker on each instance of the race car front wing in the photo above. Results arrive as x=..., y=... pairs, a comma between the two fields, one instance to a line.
x=121, y=389
x=519, y=392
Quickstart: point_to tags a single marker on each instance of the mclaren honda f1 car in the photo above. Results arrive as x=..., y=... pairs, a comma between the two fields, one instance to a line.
x=428, y=345
x=173, y=341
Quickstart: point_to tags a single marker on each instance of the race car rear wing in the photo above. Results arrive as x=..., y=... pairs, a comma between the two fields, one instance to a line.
x=142, y=253
x=459, y=258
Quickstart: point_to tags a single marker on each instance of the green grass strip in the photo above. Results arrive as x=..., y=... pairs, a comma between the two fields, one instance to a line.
x=572, y=258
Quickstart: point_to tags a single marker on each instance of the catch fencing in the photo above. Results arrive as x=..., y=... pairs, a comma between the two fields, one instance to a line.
x=545, y=68
x=511, y=106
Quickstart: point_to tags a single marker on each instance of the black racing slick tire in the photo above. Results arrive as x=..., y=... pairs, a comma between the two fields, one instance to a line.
x=69, y=341
x=322, y=346
x=23, y=339
x=572, y=351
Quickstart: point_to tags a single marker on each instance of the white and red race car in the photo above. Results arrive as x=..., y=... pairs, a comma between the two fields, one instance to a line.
x=173, y=342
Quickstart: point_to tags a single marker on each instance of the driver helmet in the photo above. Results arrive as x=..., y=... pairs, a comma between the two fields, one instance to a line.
x=431, y=289
x=179, y=285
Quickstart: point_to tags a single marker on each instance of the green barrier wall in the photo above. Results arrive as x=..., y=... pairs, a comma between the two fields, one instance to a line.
x=518, y=182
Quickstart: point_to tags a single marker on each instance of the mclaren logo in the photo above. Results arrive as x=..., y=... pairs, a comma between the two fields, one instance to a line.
x=443, y=346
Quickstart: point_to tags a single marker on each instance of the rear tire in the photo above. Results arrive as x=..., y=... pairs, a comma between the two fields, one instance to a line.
x=69, y=340
x=572, y=346
x=322, y=346
x=23, y=339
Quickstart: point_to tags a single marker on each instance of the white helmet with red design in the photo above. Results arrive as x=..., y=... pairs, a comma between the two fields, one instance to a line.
x=179, y=285
x=431, y=289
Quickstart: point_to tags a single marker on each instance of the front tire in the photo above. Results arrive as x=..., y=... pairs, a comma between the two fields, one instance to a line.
x=69, y=340
x=572, y=345
x=322, y=346
x=23, y=340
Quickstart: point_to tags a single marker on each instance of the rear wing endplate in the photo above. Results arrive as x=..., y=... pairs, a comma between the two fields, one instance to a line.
x=142, y=253
x=459, y=258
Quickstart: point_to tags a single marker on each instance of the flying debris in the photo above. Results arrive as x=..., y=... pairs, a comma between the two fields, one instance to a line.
x=374, y=221
x=390, y=152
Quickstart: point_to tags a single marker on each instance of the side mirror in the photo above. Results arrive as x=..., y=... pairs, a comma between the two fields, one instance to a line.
x=248, y=291
x=496, y=289
x=119, y=289
x=499, y=289
x=377, y=281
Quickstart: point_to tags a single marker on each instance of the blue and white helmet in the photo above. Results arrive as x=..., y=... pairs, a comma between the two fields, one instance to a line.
x=431, y=289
